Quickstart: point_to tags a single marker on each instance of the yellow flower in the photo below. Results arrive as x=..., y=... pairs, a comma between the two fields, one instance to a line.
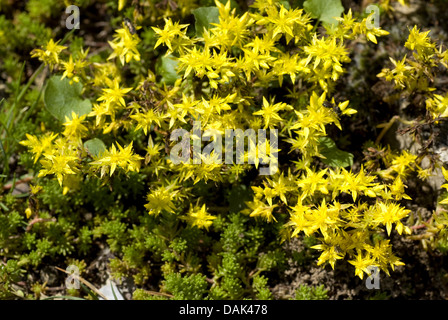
x=40, y=145
x=362, y=263
x=160, y=200
x=290, y=65
x=329, y=253
x=50, y=54
x=145, y=120
x=397, y=189
x=59, y=163
x=231, y=30
x=404, y=163
x=74, y=127
x=199, y=217
x=113, y=98
x=125, y=46
x=73, y=68
x=100, y=111
x=35, y=189
x=299, y=219
x=169, y=33
x=113, y=158
x=400, y=74
x=283, y=21
x=259, y=208
x=312, y=182
x=389, y=213
x=420, y=42
x=121, y=4
x=28, y=212
x=69, y=67
x=282, y=186
x=270, y=111
x=328, y=55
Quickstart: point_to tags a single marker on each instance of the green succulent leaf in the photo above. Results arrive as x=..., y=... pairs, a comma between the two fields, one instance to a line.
x=334, y=156
x=62, y=98
x=204, y=16
x=167, y=68
x=95, y=146
x=324, y=10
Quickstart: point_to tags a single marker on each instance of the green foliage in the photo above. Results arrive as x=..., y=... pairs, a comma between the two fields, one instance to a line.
x=166, y=67
x=192, y=287
x=380, y=296
x=334, y=157
x=44, y=9
x=324, y=10
x=305, y=292
x=62, y=98
x=261, y=287
x=141, y=294
x=204, y=17
x=95, y=147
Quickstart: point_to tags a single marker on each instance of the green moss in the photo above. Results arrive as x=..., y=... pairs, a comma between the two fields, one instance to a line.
x=192, y=287
x=311, y=293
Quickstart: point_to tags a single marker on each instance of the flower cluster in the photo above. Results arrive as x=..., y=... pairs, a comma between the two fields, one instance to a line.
x=125, y=46
x=417, y=73
x=225, y=74
x=50, y=54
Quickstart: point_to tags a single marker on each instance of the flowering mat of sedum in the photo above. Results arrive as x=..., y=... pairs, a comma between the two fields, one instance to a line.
x=210, y=150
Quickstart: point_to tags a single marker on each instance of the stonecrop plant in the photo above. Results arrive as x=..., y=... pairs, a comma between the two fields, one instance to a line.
x=270, y=68
x=220, y=70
